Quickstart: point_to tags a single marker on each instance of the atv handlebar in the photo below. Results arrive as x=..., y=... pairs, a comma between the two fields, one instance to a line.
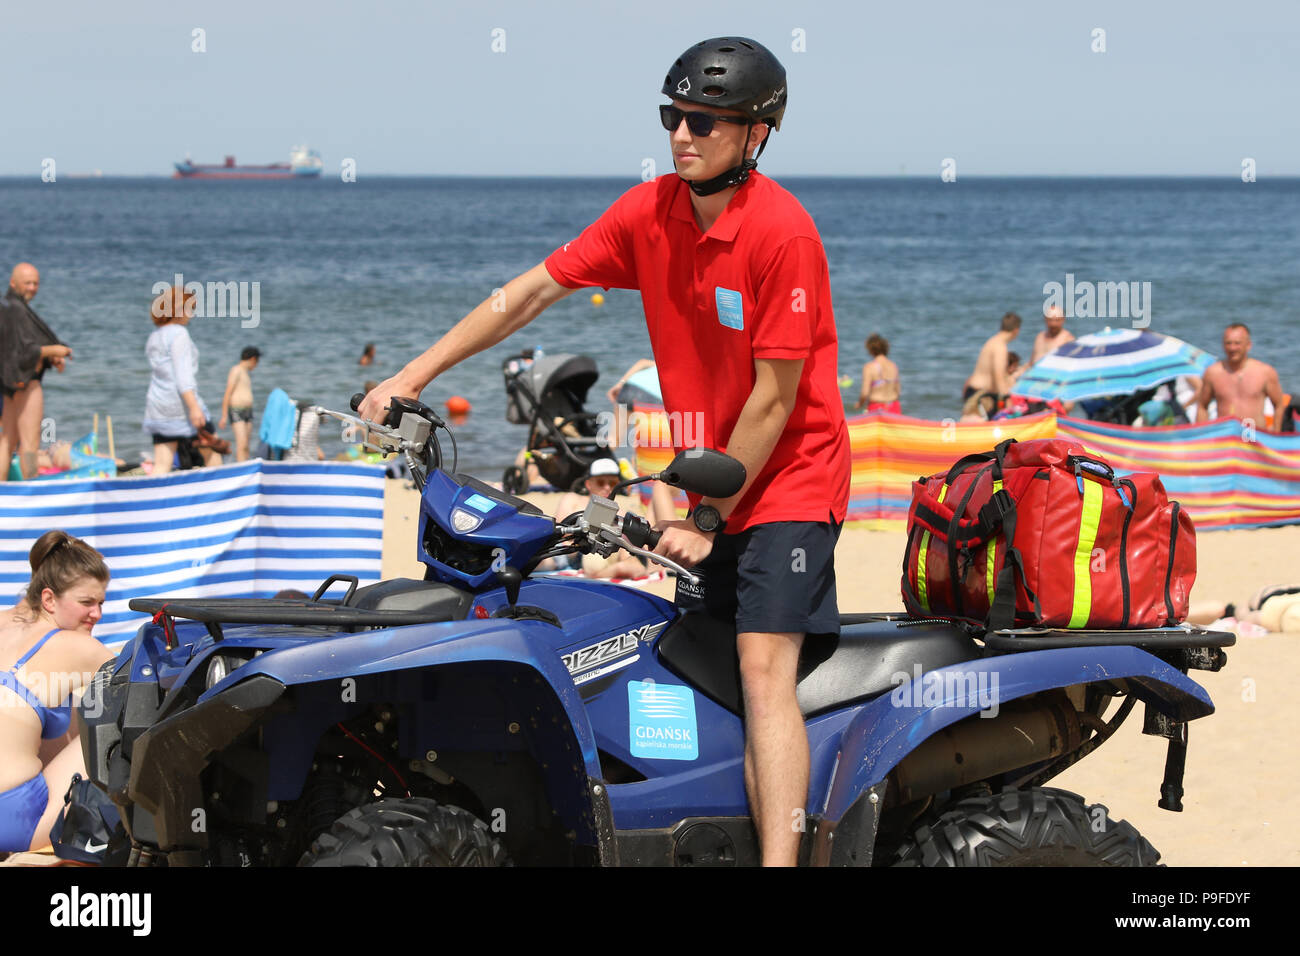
x=409, y=429
x=601, y=529
x=638, y=531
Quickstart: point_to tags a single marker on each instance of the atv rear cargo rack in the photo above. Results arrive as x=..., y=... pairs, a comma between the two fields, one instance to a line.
x=1154, y=638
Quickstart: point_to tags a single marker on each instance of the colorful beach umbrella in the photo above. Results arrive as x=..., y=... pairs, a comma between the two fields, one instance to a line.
x=1111, y=362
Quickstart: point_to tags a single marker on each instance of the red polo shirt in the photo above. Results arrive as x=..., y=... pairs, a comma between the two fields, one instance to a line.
x=755, y=286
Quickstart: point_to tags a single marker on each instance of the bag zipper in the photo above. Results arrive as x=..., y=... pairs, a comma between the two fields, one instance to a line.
x=1091, y=465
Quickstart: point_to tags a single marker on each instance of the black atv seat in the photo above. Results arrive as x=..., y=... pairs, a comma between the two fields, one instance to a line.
x=441, y=602
x=833, y=671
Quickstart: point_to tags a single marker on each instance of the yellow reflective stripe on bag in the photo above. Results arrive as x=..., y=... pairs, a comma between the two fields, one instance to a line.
x=922, y=562
x=1089, y=521
x=992, y=547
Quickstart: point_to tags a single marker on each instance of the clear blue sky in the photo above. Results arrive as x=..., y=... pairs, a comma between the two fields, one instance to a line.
x=1183, y=88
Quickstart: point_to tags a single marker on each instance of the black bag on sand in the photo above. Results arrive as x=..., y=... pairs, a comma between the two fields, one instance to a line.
x=89, y=828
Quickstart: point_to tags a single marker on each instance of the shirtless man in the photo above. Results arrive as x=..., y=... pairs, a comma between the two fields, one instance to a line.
x=1239, y=383
x=237, y=403
x=989, y=384
x=27, y=349
x=1053, y=336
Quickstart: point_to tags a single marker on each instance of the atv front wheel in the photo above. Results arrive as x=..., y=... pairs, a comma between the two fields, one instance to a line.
x=1036, y=827
x=406, y=832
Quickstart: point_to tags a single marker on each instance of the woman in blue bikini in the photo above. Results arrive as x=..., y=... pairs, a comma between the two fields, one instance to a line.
x=47, y=657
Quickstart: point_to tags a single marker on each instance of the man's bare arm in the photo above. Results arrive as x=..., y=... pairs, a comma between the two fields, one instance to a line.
x=1203, y=396
x=1001, y=382
x=494, y=319
x=1273, y=389
x=230, y=390
x=760, y=425
x=761, y=421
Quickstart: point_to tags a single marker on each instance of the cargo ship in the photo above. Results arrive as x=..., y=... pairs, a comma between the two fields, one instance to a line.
x=303, y=163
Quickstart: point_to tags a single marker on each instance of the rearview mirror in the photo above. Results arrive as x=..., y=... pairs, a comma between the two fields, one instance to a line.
x=706, y=472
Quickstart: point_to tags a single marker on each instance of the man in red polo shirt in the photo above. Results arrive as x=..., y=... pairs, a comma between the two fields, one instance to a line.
x=736, y=292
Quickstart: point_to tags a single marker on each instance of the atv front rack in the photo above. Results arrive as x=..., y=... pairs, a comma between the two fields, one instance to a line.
x=214, y=612
x=281, y=611
x=410, y=602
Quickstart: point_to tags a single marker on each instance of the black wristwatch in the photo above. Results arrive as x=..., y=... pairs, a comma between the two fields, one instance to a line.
x=708, y=518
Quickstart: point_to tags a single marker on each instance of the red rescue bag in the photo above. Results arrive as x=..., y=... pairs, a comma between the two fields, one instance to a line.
x=1041, y=534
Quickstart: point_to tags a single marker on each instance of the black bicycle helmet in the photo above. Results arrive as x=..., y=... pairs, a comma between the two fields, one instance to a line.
x=734, y=73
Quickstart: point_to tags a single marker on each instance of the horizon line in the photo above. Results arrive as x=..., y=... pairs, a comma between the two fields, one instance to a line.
x=94, y=175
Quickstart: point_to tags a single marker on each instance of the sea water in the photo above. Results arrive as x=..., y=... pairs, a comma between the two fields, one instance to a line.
x=932, y=266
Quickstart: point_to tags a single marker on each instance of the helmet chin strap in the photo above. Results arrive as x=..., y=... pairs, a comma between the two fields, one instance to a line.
x=734, y=176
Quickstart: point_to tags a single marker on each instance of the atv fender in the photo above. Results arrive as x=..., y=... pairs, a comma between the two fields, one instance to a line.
x=893, y=725
x=190, y=737
x=526, y=642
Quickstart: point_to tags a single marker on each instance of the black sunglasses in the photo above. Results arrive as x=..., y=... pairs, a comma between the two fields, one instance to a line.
x=700, y=124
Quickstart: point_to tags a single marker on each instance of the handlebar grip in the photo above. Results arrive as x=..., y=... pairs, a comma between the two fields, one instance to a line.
x=638, y=531
x=357, y=399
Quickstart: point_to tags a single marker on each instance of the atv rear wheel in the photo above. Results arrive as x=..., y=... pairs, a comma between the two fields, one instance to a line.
x=1036, y=827
x=406, y=832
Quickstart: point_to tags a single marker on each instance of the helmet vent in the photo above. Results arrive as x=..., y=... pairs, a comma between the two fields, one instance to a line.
x=746, y=45
x=726, y=49
x=715, y=70
x=714, y=91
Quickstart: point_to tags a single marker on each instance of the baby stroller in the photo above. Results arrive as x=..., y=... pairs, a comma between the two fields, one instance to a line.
x=546, y=393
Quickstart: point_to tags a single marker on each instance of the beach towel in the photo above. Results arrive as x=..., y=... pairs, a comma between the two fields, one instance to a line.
x=278, y=420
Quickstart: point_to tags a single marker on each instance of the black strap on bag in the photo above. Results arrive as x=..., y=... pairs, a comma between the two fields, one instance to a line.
x=997, y=516
x=1002, y=613
x=999, y=513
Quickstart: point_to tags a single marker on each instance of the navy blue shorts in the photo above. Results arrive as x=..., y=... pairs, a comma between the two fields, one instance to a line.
x=771, y=578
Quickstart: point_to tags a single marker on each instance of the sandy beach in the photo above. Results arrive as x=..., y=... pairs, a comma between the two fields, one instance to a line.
x=1242, y=764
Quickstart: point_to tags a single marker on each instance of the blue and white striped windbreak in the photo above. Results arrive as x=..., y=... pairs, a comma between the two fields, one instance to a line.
x=243, y=530
x=1111, y=362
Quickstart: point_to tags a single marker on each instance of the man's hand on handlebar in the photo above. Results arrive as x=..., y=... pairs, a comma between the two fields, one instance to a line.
x=375, y=406
x=684, y=543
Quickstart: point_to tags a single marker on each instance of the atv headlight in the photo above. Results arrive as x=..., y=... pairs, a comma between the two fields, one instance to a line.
x=464, y=522
x=220, y=666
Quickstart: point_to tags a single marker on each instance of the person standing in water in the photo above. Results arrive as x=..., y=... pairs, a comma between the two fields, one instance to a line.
x=881, y=387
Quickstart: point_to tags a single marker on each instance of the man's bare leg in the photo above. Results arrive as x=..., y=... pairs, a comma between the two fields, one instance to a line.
x=243, y=431
x=776, y=743
x=8, y=429
x=31, y=405
x=163, y=455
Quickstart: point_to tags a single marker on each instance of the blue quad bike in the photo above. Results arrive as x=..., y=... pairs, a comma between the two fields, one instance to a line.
x=488, y=716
